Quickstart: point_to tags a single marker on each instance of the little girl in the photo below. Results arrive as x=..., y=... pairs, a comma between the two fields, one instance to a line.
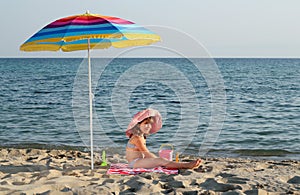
x=137, y=154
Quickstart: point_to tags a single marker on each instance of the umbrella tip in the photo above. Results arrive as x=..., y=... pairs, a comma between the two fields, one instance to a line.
x=87, y=12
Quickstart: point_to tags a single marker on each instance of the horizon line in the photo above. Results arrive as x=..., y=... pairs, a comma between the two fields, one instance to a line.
x=214, y=57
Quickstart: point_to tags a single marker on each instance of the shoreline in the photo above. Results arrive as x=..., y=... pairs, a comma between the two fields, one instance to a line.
x=255, y=154
x=31, y=171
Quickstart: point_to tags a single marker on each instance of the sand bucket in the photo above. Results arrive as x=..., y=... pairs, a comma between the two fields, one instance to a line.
x=166, y=151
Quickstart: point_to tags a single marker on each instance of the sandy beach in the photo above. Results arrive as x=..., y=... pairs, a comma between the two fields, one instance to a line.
x=35, y=171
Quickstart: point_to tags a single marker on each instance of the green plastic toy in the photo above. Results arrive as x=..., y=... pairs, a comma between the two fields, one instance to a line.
x=104, y=163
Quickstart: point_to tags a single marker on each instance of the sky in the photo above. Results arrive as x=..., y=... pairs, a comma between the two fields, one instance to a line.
x=231, y=28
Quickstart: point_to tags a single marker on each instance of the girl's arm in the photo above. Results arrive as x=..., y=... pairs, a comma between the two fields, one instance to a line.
x=149, y=155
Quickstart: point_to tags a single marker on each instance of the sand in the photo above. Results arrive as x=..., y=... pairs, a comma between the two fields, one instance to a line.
x=34, y=171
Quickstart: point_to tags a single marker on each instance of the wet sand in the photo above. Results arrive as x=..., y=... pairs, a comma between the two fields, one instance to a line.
x=35, y=171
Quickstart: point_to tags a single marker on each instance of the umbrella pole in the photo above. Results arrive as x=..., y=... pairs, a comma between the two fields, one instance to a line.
x=91, y=105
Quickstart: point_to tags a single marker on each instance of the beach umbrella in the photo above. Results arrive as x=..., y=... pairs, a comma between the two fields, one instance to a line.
x=85, y=32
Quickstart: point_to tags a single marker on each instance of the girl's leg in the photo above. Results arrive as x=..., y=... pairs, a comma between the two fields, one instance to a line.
x=150, y=162
x=184, y=165
x=156, y=162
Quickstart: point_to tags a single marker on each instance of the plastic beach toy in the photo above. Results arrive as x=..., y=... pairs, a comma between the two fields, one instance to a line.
x=165, y=152
x=104, y=163
x=177, y=157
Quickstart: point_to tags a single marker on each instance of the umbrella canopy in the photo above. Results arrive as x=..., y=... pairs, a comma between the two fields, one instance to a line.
x=72, y=33
x=85, y=32
x=140, y=116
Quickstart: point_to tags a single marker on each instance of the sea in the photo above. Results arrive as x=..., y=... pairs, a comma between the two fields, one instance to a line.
x=219, y=107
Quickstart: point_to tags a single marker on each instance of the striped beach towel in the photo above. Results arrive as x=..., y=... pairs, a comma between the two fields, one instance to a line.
x=124, y=169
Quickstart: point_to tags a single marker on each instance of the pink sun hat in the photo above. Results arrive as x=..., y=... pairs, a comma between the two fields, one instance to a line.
x=140, y=116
